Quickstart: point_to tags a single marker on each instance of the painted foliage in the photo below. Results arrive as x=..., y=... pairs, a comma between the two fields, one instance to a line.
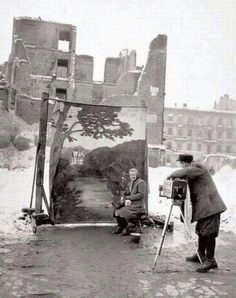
x=93, y=147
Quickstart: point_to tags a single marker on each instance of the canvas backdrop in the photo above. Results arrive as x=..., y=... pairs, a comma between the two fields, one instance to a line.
x=92, y=149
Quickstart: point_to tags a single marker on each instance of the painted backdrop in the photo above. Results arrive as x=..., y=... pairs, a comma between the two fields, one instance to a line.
x=92, y=149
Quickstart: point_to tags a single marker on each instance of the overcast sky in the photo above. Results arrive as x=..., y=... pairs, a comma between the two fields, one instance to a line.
x=201, y=56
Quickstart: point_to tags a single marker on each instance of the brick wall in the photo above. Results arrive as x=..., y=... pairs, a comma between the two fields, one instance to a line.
x=151, y=88
x=111, y=72
x=29, y=109
x=39, y=33
x=84, y=68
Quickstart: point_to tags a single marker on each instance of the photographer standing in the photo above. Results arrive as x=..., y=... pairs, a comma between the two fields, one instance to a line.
x=207, y=205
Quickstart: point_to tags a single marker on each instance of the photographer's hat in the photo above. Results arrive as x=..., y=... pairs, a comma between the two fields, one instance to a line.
x=185, y=158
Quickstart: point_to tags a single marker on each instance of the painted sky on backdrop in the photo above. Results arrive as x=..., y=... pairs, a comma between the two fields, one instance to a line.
x=201, y=60
x=136, y=117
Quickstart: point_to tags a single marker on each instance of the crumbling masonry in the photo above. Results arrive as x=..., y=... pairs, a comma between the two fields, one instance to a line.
x=43, y=59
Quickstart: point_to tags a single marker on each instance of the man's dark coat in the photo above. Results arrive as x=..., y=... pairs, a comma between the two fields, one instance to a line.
x=136, y=193
x=205, y=198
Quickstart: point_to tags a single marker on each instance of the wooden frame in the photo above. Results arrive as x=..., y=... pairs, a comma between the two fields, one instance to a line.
x=40, y=195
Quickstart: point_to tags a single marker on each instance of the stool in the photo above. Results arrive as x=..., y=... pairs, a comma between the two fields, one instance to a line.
x=137, y=221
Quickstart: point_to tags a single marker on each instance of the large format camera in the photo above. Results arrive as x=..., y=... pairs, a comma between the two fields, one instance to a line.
x=174, y=189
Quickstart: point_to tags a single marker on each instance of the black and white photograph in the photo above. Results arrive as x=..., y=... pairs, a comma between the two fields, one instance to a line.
x=117, y=148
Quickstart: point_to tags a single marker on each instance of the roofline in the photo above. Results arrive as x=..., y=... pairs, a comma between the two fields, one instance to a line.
x=200, y=110
x=45, y=21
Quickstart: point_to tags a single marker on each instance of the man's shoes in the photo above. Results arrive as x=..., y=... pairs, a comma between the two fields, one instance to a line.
x=118, y=230
x=195, y=258
x=207, y=265
x=126, y=232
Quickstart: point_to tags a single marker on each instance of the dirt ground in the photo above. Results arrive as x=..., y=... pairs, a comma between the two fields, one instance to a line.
x=93, y=262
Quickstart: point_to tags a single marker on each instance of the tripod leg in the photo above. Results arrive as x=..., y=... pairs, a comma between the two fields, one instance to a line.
x=158, y=253
x=190, y=235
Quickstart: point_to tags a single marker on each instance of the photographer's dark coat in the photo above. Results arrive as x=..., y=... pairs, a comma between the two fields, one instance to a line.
x=205, y=198
x=136, y=193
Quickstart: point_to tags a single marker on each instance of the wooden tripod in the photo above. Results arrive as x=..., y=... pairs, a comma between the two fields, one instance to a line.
x=158, y=253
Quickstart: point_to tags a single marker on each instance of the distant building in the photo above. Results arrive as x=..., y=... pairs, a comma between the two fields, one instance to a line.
x=77, y=158
x=225, y=104
x=200, y=131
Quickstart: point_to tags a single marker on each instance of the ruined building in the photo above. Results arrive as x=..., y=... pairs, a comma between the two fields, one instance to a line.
x=43, y=58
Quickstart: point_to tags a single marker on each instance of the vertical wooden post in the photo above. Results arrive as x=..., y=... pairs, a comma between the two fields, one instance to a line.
x=146, y=158
x=146, y=169
x=41, y=152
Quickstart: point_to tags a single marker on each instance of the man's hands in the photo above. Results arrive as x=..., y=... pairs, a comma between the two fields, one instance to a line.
x=125, y=201
x=128, y=202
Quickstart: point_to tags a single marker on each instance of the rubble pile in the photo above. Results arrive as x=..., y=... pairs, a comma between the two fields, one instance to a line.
x=17, y=141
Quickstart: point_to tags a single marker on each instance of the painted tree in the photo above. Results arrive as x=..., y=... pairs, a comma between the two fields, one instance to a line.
x=92, y=121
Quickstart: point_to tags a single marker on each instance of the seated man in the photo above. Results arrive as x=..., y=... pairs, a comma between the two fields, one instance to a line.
x=132, y=203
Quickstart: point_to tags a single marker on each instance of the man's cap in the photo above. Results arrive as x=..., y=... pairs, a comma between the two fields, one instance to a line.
x=185, y=158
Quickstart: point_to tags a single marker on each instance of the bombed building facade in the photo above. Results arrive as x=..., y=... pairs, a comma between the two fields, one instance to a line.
x=43, y=59
x=200, y=131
